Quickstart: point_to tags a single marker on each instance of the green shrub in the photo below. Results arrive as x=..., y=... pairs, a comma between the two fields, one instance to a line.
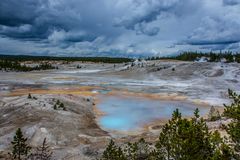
x=233, y=129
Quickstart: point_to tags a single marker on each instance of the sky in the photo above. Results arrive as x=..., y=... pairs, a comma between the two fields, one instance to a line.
x=118, y=28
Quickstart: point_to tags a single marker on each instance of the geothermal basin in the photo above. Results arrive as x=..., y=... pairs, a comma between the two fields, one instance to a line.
x=132, y=113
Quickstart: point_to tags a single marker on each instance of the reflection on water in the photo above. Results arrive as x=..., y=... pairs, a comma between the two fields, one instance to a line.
x=131, y=113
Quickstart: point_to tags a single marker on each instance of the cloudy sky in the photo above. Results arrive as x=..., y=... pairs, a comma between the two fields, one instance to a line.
x=118, y=27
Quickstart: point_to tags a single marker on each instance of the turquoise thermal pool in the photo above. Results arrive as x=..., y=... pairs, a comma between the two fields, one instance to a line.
x=132, y=113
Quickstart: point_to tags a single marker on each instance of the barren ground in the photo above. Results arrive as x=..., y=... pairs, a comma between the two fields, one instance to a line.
x=76, y=133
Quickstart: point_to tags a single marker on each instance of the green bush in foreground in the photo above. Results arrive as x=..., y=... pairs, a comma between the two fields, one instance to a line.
x=233, y=129
x=113, y=152
x=183, y=139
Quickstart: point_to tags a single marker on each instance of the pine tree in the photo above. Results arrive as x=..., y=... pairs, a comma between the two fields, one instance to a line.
x=62, y=106
x=233, y=129
x=58, y=102
x=222, y=151
x=42, y=153
x=213, y=114
x=29, y=96
x=20, y=147
x=113, y=152
x=184, y=139
x=137, y=150
x=55, y=107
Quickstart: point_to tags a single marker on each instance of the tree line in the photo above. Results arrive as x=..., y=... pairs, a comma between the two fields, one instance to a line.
x=69, y=59
x=211, y=56
x=9, y=65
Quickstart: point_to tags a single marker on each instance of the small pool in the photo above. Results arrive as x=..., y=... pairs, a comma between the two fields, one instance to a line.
x=132, y=113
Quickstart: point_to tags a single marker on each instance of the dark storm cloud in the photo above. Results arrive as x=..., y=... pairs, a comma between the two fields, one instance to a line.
x=143, y=13
x=215, y=42
x=38, y=19
x=141, y=28
x=16, y=13
x=231, y=2
x=220, y=31
x=118, y=27
x=20, y=19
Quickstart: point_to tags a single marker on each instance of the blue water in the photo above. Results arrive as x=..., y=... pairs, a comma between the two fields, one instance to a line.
x=131, y=113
